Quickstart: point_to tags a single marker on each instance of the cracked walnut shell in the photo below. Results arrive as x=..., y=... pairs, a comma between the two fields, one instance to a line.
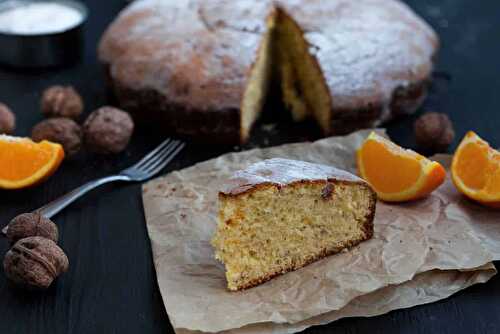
x=60, y=130
x=60, y=101
x=35, y=262
x=7, y=120
x=108, y=130
x=31, y=225
x=434, y=132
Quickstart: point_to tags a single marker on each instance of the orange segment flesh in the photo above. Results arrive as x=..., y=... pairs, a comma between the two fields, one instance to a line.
x=397, y=174
x=475, y=170
x=24, y=163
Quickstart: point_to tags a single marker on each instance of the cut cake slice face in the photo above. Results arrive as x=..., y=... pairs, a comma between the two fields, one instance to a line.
x=279, y=215
x=284, y=56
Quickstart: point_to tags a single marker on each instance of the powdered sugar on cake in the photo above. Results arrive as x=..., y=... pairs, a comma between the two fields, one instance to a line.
x=282, y=172
x=366, y=49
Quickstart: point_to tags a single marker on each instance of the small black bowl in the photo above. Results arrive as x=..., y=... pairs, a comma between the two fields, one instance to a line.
x=46, y=49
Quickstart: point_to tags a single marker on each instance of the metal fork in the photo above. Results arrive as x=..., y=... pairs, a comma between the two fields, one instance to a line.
x=150, y=165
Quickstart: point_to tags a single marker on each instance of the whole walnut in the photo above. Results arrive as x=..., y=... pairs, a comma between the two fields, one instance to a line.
x=7, y=120
x=31, y=225
x=64, y=131
x=108, y=130
x=61, y=101
x=434, y=132
x=35, y=262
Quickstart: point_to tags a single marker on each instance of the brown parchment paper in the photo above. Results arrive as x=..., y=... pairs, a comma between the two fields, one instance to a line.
x=421, y=252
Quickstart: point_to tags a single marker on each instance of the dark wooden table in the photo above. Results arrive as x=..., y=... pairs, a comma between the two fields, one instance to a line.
x=111, y=285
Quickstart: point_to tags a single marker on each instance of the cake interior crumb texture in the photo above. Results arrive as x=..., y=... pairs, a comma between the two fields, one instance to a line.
x=272, y=228
x=283, y=56
x=304, y=89
x=258, y=83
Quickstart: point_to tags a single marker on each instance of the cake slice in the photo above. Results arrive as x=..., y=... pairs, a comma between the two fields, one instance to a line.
x=279, y=215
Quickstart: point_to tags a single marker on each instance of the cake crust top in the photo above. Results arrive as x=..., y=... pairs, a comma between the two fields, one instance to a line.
x=199, y=53
x=281, y=172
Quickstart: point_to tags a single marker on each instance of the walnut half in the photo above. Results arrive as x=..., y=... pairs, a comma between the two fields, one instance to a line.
x=35, y=262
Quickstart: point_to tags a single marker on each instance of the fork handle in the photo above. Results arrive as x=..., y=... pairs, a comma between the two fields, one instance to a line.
x=57, y=205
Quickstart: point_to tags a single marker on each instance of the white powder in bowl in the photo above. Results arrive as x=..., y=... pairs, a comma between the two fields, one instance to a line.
x=38, y=18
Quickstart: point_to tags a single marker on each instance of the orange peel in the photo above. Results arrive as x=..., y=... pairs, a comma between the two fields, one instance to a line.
x=397, y=174
x=475, y=170
x=24, y=163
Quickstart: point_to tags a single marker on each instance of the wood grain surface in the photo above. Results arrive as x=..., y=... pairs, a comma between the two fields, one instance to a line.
x=111, y=284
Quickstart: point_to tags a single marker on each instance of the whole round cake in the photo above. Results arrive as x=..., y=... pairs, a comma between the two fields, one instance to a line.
x=204, y=68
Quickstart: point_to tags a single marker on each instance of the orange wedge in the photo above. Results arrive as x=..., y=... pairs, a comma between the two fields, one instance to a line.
x=475, y=170
x=24, y=163
x=396, y=174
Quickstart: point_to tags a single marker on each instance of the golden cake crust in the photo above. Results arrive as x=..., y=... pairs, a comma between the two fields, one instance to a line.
x=191, y=60
x=283, y=172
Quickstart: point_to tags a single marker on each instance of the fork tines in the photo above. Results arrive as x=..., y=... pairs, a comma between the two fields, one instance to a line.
x=157, y=159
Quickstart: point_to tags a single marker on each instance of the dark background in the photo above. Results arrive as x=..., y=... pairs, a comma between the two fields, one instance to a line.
x=111, y=285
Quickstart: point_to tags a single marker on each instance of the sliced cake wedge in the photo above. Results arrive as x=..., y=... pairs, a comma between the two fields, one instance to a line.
x=279, y=215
